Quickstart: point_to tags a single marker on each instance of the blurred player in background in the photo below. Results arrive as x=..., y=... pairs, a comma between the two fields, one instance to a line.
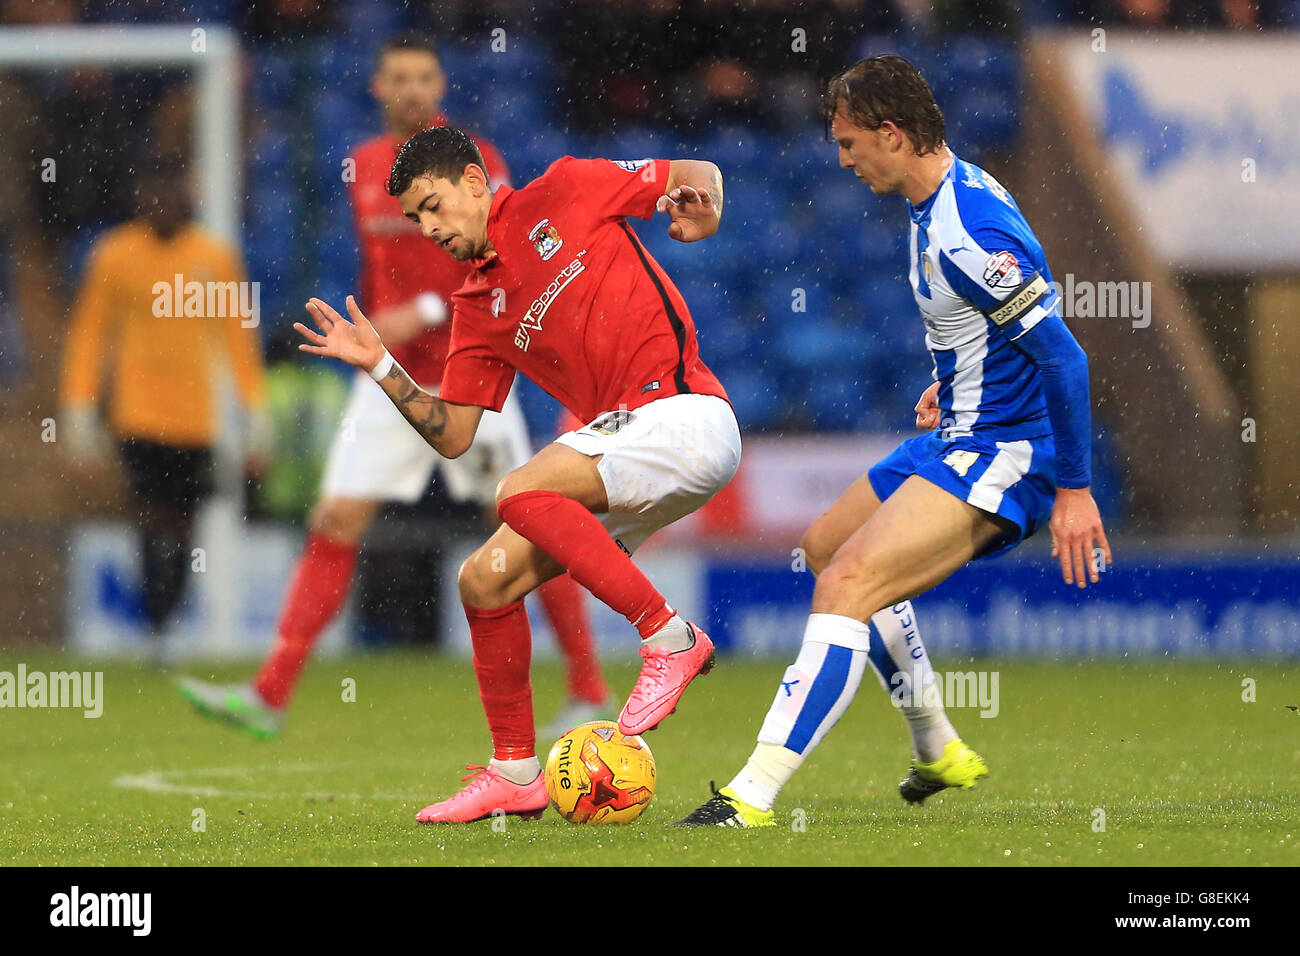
x=376, y=457
x=562, y=291
x=1012, y=452
x=164, y=402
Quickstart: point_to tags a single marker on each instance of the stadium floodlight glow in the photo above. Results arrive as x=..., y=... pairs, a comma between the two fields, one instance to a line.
x=211, y=52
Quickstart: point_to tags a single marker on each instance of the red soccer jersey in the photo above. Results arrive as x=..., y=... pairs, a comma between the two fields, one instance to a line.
x=397, y=263
x=572, y=299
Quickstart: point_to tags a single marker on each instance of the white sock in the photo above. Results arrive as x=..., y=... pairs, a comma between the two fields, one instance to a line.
x=815, y=692
x=769, y=768
x=903, y=666
x=674, y=635
x=522, y=771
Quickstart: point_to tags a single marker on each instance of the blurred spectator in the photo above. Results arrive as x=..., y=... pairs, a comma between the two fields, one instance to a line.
x=1185, y=14
x=1249, y=14
x=161, y=296
x=615, y=58
x=1146, y=13
x=751, y=56
x=40, y=12
x=461, y=21
x=266, y=21
x=688, y=61
x=1002, y=17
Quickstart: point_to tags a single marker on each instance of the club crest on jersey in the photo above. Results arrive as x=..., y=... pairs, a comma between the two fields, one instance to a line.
x=545, y=239
x=1002, y=271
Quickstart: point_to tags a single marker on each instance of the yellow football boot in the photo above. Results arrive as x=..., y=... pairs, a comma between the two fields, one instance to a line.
x=725, y=809
x=959, y=766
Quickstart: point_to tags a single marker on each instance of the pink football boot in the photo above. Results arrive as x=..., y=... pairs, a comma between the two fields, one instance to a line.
x=664, y=677
x=488, y=792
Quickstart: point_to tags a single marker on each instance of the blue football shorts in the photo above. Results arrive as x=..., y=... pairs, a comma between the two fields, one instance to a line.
x=1015, y=480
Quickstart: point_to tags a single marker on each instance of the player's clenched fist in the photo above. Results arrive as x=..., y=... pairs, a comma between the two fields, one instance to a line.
x=694, y=213
x=1076, y=532
x=927, y=408
x=355, y=342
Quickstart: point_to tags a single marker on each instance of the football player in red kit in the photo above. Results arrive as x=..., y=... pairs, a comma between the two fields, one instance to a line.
x=375, y=456
x=562, y=291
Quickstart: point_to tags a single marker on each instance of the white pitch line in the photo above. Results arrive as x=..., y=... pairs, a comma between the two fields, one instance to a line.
x=165, y=781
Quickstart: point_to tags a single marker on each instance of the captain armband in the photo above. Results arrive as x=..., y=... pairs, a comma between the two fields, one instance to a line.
x=1022, y=300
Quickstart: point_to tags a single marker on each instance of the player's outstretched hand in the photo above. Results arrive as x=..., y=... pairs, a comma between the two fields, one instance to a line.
x=355, y=342
x=1077, y=537
x=927, y=409
x=694, y=214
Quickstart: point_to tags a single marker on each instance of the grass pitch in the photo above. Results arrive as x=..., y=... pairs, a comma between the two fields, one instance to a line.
x=1186, y=772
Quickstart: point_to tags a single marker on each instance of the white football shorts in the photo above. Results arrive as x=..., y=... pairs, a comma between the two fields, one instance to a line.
x=377, y=455
x=660, y=462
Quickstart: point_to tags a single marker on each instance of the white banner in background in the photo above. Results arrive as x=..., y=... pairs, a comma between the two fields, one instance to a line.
x=791, y=481
x=105, y=615
x=784, y=485
x=1203, y=132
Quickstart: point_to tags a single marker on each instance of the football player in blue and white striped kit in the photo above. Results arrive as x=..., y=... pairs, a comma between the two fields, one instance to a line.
x=1008, y=453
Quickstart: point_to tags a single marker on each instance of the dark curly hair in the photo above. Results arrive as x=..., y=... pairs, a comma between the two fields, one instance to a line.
x=442, y=152
x=887, y=87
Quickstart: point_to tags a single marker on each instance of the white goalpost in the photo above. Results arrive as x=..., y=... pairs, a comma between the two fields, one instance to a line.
x=211, y=54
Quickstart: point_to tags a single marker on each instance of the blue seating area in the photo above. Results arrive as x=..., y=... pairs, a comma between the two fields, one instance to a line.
x=801, y=300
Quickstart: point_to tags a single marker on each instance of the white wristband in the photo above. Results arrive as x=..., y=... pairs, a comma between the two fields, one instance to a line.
x=383, y=366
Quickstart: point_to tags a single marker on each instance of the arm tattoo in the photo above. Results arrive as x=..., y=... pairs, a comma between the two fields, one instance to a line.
x=715, y=188
x=426, y=413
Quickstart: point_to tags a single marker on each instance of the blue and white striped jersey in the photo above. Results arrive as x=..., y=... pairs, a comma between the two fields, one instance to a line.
x=981, y=282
